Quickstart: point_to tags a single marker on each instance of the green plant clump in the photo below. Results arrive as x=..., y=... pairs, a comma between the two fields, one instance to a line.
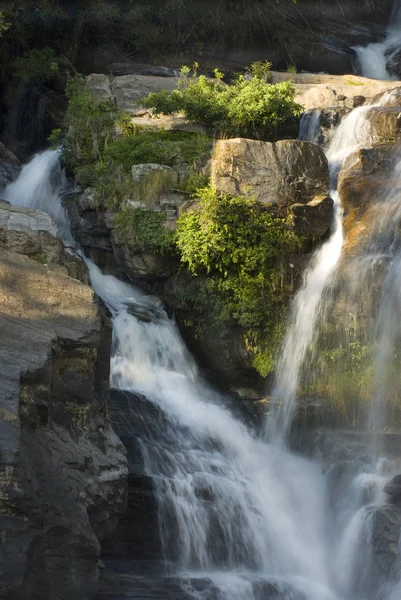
x=144, y=230
x=236, y=249
x=251, y=107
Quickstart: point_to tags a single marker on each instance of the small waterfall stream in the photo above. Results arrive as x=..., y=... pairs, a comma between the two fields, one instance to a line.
x=240, y=518
x=375, y=57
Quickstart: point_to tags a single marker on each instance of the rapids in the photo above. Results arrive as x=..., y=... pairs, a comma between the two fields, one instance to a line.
x=241, y=516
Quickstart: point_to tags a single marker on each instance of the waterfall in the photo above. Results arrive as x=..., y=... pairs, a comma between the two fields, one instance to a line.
x=310, y=303
x=374, y=58
x=240, y=519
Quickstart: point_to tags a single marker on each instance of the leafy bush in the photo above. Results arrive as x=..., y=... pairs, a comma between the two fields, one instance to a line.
x=250, y=107
x=236, y=248
x=41, y=65
x=144, y=230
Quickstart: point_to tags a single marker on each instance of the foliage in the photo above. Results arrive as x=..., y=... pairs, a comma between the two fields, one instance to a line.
x=250, y=107
x=162, y=147
x=144, y=230
x=237, y=248
x=89, y=125
x=40, y=65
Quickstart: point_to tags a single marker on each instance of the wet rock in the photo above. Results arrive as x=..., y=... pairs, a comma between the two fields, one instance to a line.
x=9, y=166
x=385, y=123
x=313, y=219
x=358, y=101
x=393, y=490
x=98, y=86
x=281, y=173
x=393, y=65
x=62, y=469
x=386, y=552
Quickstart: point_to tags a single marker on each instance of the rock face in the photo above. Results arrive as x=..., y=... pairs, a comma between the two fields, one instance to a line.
x=62, y=469
x=280, y=173
x=128, y=89
x=290, y=176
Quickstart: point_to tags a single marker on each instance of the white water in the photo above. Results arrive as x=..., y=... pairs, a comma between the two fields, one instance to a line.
x=310, y=303
x=374, y=57
x=252, y=519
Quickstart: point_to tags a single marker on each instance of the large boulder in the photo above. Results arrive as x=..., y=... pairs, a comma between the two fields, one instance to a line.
x=280, y=173
x=34, y=233
x=62, y=469
x=128, y=89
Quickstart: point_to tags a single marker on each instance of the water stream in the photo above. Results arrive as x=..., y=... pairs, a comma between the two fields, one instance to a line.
x=375, y=57
x=241, y=518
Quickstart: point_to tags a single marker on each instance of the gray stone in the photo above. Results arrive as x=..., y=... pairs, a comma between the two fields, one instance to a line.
x=62, y=469
x=281, y=173
x=128, y=89
x=99, y=87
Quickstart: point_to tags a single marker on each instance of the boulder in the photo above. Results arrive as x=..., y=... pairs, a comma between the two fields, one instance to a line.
x=128, y=89
x=34, y=233
x=99, y=88
x=386, y=553
x=9, y=166
x=393, y=65
x=385, y=123
x=313, y=219
x=393, y=490
x=62, y=469
x=280, y=173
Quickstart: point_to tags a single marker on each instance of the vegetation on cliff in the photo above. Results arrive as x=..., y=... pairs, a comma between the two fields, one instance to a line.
x=250, y=107
x=236, y=251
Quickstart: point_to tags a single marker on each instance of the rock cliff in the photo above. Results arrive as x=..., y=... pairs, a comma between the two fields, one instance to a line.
x=62, y=468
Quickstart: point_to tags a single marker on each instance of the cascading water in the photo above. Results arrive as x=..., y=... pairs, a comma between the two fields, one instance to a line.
x=375, y=58
x=239, y=519
x=309, y=305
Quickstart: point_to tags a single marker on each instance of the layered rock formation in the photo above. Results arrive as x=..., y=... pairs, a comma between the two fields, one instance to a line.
x=62, y=468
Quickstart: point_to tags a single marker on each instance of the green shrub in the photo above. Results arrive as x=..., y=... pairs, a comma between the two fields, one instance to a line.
x=144, y=230
x=236, y=248
x=40, y=65
x=89, y=125
x=250, y=107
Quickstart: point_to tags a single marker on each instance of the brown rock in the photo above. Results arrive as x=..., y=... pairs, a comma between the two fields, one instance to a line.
x=281, y=173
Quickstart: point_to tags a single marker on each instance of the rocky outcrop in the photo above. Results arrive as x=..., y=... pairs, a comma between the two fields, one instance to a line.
x=128, y=89
x=289, y=176
x=280, y=173
x=62, y=468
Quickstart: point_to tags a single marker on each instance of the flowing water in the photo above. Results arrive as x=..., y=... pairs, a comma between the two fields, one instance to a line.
x=374, y=58
x=240, y=518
